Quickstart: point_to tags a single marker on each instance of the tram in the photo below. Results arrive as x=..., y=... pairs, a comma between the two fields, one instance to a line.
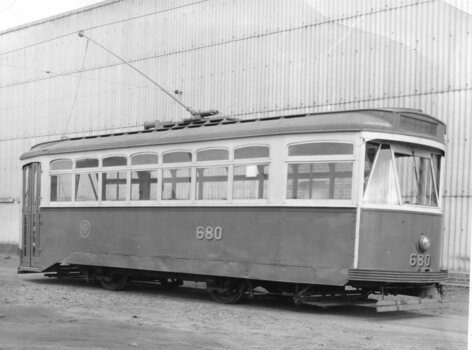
x=343, y=205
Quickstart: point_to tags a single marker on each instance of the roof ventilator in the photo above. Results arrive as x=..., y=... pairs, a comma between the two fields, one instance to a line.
x=200, y=119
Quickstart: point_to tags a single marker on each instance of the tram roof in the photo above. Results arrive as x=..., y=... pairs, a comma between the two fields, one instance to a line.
x=399, y=121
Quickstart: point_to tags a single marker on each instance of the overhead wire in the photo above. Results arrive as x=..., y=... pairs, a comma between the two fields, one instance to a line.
x=77, y=88
x=188, y=109
x=53, y=74
x=25, y=68
x=101, y=26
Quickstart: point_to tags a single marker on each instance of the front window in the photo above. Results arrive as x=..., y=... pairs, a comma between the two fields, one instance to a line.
x=382, y=187
x=401, y=175
x=416, y=179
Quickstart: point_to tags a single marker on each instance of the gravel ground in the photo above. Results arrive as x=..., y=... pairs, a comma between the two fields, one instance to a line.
x=457, y=299
x=37, y=312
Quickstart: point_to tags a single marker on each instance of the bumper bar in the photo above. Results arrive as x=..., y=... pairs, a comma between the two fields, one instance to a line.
x=397, y=276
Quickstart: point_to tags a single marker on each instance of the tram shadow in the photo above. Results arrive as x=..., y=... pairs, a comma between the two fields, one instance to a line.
x=196, y=292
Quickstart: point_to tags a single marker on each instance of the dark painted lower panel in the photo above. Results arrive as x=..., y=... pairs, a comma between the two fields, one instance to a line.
x=237, y=269
x=388, y=238
x=304, y=245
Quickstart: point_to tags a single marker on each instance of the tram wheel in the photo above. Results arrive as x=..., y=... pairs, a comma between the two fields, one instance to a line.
x=114, y=281
x=227, y=291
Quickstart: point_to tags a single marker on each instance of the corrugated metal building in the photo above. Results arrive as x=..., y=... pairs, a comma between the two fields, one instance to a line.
x=246, y=59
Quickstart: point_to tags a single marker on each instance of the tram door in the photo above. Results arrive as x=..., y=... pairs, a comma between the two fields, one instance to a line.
x=30, y=214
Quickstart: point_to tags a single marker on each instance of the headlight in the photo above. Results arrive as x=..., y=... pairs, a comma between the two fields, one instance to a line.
x=424, y=243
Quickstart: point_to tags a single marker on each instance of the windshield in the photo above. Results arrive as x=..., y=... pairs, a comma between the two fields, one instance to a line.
x=400, y=174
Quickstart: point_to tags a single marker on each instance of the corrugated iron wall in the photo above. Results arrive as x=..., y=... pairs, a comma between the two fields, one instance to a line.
x=246, y=59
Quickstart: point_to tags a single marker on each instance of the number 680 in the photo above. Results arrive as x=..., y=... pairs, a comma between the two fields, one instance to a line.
x=209, y=232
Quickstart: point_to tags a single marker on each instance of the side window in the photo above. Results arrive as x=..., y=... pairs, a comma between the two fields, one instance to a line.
x=321, y=149
x=212, y=154
x=212, y=180
x=320, y=171
x=251, y=172
x=144, y=159
x=212, y=183
x=61, y=164
x=177, y=157
x=60, y=182
x=86, y=163
x=176, y=180
x=143, y=181
x=114, y=161
x=114, y=182
x=319, y=180
x=248, y=152
x=86, y=183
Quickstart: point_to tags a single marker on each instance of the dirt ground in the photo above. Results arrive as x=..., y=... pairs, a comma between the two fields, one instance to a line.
x=37, y=312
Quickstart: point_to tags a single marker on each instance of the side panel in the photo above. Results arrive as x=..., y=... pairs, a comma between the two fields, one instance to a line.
x=388, y=238
x=306, y=245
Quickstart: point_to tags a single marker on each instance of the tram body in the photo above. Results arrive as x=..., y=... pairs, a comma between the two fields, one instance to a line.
x=341, y=200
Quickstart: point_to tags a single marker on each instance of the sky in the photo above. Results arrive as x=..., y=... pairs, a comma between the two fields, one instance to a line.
x=17, y=12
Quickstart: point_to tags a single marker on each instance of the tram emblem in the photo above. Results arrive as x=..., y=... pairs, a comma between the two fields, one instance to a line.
x=84, y=228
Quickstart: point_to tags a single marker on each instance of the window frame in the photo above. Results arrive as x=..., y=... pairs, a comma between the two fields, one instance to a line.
x=113, y=169
x=175, y=165
x=229, y=189
x=234, y=149
x=144, y=167
x=254, y=200
x=217, y=161
x=69, y=172
x=161, y=185
x=251, y=161
x=99, y=187
x=395, y=174
x=421, y=153
x=163, y=154
x=154, y=165
x=404, y=147
x=348, y=158
x=203, y=164
x=86, y=168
